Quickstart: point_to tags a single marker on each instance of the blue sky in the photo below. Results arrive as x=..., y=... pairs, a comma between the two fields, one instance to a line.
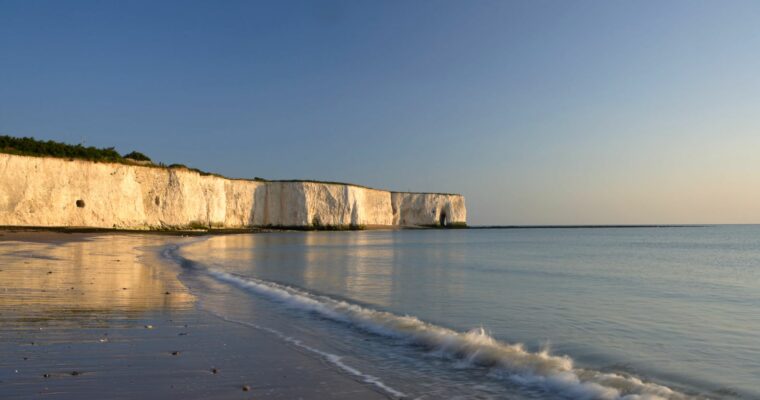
x=539, y=112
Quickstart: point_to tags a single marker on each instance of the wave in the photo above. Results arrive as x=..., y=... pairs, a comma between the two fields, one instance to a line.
x=542, y=370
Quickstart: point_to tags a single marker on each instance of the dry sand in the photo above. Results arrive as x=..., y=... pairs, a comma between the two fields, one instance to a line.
x=102, y=317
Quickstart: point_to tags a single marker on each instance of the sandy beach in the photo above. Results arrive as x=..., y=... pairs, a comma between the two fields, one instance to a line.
x=103, y=316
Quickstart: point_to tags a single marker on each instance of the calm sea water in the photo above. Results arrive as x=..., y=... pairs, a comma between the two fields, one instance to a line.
x=633, y=313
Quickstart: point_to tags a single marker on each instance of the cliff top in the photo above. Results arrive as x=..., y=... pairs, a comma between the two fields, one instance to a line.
x=28, y=146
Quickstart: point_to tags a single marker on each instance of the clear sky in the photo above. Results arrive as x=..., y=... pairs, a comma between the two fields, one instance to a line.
x=539, y=112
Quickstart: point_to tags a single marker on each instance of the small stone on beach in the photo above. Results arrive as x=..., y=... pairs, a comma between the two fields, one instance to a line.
x=148, y=326
x=214, y=371
x=246, y=388
x=175, y=353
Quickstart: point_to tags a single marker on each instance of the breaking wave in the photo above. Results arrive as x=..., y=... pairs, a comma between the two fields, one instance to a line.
x=552, y=373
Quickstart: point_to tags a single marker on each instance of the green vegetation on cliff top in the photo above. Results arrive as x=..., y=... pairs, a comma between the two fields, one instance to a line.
x=28, y=146
x=31, y=147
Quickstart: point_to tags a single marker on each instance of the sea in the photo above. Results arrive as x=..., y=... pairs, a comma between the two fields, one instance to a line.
x=541, y=313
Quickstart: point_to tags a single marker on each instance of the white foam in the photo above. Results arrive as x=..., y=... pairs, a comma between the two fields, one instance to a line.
x=555, y=374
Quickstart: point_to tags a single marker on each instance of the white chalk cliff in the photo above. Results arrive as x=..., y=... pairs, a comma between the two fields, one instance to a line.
x=55, y=192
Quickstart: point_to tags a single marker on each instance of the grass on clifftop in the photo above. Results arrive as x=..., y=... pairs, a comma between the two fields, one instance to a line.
x=27, y=146
x=32, y=147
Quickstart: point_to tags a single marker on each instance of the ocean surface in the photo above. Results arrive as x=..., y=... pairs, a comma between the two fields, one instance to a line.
x=604, y=313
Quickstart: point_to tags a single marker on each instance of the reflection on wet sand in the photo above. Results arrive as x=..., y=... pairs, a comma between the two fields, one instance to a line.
x=94, y=317
x=101, y=276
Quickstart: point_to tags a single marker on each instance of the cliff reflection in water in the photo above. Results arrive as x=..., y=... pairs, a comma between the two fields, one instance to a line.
x=358, y=265
x=387, y=269
x=103, y=276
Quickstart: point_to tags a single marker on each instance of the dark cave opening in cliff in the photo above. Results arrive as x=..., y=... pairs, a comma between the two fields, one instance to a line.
x=442, y=219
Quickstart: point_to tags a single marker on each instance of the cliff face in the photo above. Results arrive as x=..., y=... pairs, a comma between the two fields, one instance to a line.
x=52, y=192
x=428, y=209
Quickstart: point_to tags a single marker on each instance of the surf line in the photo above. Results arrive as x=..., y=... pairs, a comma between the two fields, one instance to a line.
x=540, y=370
x=550, y=373
x=171, y=252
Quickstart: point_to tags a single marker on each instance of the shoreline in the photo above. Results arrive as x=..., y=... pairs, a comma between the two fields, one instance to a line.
x=94, y=231
x=268, y=229
x=100, y=314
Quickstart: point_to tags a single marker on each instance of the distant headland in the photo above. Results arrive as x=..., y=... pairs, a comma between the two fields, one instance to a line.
x=57, y=185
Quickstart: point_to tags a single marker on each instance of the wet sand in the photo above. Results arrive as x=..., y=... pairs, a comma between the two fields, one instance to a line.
x=102, y=316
